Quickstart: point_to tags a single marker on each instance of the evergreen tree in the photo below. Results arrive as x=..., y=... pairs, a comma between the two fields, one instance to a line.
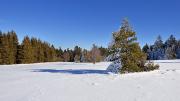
x=20, y=55
x=1, y=48
x=132, y=58
x=53, y=55
x=13, y=43
x=5, y=50
x=158, y=43
x=66, y=56
x=171, y=45
x=159, y=51
x=103, y=52
x=59, y=53
x=34, y=43
x=178, y=50
x=145, y=48
x=27, y=51
x=40, y=51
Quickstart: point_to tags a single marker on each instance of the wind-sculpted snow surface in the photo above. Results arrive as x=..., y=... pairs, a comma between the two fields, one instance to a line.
x=88, y=82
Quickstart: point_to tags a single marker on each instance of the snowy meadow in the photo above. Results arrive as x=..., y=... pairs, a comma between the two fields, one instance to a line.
x=68, y=81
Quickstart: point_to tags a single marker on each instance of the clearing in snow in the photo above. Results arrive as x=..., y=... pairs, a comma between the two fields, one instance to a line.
x=62, y=81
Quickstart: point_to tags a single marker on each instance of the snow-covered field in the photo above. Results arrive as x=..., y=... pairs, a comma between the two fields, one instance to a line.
x=87, y=82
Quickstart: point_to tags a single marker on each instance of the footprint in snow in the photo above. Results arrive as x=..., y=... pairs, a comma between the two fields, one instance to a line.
x=173, y=70
x=167, y=70
x=94, y=84
x=162, y=72
x=173, y=79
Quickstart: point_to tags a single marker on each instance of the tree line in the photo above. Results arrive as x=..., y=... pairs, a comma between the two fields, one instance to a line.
x=170, y=49
x=33, y=50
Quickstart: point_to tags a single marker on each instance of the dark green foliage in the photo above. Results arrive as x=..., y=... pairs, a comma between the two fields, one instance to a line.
x=151, y=66
x=132, y=57
x=59, y=53
x=145, y=48
x=104, y=52
x=19, y=57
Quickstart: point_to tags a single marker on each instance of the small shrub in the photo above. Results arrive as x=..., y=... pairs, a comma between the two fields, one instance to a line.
x=151, y=66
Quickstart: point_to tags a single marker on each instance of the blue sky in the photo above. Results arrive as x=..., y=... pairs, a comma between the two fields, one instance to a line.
x=67, y=23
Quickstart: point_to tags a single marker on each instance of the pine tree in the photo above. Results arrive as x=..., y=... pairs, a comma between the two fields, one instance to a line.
x=13, y=43
x=53, y=55
x=20, y=55
x=5, y=49
x=171, y=45
x=27, y=51
x=159, y=51
x=158, y=43
x=40, y=51
x=59, y=53
x=132, y=58
x=145, y=48
x=34, y=43
x=103, y=52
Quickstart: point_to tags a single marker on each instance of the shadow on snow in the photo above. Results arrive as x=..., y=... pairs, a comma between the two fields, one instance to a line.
x=71, y=71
